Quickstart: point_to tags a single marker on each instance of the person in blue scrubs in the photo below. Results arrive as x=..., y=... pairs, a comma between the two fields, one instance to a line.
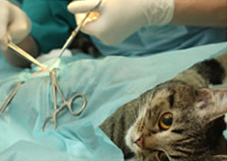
x=127, y=28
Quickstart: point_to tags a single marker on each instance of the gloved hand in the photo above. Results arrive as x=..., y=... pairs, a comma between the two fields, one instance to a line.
x=14, y=24
x=118, y=19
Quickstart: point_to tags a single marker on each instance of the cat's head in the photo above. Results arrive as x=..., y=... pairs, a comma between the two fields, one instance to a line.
x=178, y=122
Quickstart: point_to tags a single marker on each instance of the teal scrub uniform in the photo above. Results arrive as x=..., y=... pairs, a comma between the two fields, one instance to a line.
x=52, y=24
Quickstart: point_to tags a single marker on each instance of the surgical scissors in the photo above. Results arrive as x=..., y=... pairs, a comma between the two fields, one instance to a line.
x=65, y=103
x=76, y=30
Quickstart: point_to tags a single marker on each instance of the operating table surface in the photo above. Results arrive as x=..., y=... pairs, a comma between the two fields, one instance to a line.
x=107, y=83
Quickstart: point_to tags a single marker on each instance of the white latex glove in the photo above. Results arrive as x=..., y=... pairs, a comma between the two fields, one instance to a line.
x=14, y=24
x=118, y=19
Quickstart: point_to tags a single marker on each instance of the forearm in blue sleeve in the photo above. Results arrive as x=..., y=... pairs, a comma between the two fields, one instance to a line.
x=51, y=22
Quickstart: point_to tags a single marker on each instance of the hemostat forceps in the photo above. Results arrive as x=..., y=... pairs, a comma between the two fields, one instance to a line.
x=9, y=99
x=25, y=55
x=65, y=103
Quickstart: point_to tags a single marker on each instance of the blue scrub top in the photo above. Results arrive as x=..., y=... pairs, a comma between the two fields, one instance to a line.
x=52, y=24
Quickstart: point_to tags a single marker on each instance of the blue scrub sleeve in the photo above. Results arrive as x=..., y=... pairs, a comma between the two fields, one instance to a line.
x=51, y=22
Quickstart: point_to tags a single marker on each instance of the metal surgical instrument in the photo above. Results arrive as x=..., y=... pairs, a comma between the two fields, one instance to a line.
x=25, y=55
x=65, y=103
x=9, y=99
x=76, y=30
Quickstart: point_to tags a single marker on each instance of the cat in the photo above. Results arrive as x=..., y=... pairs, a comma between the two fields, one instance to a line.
x=178, y=120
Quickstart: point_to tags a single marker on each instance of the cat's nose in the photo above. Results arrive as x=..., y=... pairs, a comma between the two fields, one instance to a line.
x=140, y=142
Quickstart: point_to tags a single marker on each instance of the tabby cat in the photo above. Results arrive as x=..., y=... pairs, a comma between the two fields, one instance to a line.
x=179, y=120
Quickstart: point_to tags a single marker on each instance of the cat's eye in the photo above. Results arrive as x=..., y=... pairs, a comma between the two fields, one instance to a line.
x=162, y=156
x=166, y=121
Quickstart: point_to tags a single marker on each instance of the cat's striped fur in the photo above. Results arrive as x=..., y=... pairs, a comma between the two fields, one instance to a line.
x=195, y=135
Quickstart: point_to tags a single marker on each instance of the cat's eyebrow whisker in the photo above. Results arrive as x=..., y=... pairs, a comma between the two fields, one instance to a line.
x=134, y=115
x=140, y=103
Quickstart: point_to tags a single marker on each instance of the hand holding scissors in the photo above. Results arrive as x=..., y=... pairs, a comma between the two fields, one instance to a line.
x=77, y=29
x=65, y=103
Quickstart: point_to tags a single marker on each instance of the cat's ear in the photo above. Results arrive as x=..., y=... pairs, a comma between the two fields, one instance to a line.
x=211, y=104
